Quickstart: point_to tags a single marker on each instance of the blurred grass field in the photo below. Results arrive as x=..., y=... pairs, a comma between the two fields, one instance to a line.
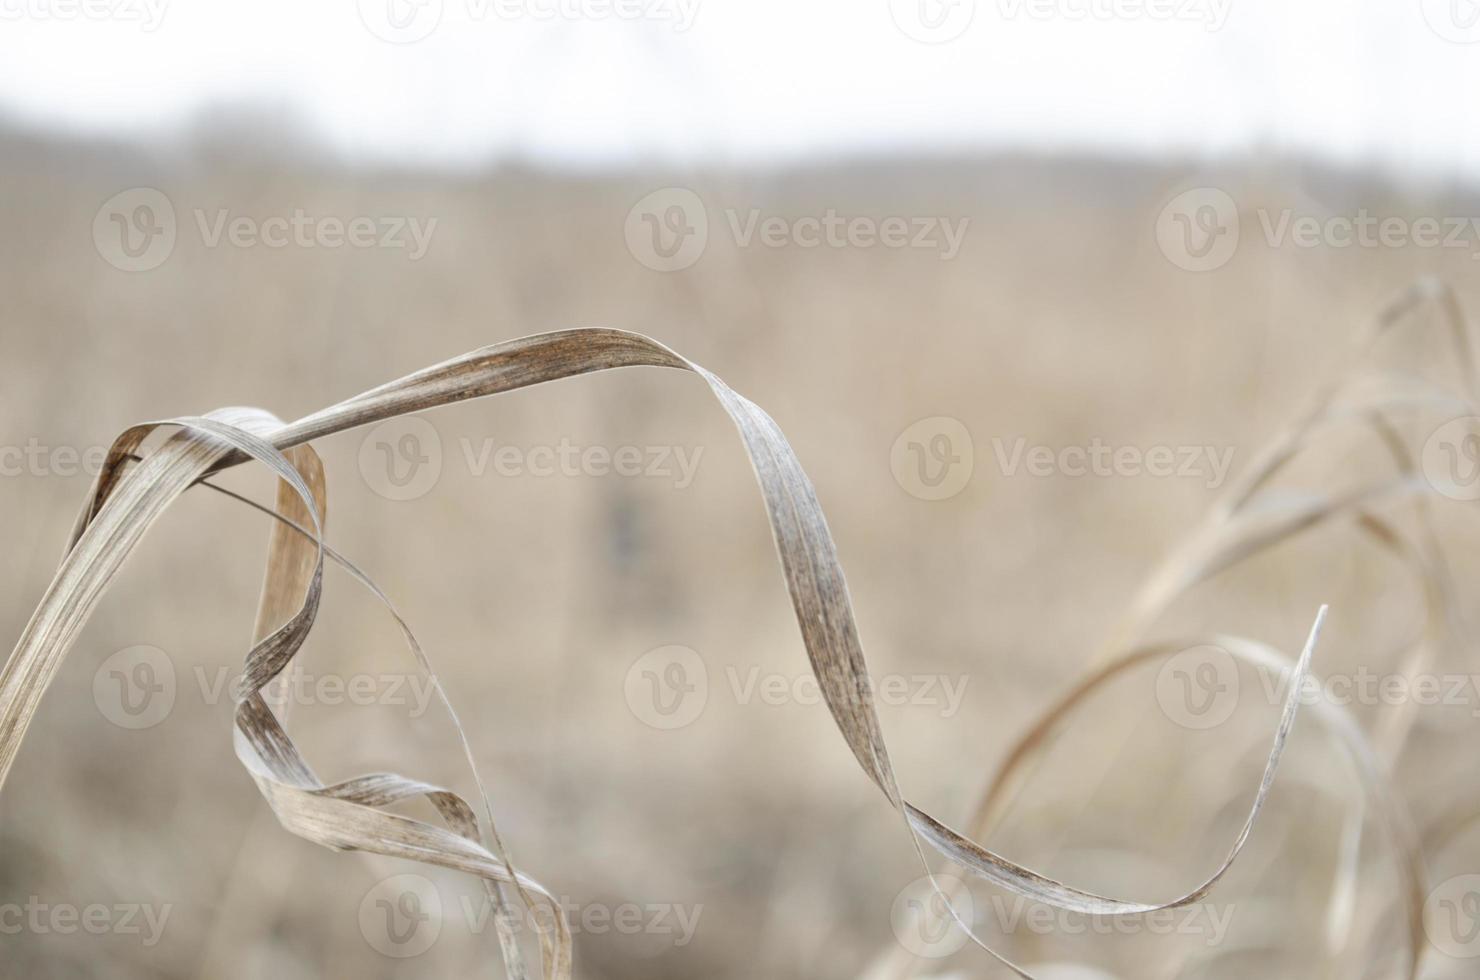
x=1059, y=322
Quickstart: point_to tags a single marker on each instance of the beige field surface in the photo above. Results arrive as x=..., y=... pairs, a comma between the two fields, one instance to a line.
x=536, y=586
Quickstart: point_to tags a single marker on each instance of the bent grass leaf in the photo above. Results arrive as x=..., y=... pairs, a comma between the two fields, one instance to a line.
x=136, y=486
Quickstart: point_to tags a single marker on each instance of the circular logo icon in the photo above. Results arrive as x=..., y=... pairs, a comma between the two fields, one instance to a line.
x=401, y=916
x=668, y=230
x=1199, y=687
x=922, y=920
x=134, y=230
x=1451, y=917
x=1198, y=230
x=1453, y=20
x=1451, y=459
x=667, y=688
x=400, y=21
x=135, y=687
x=933, y=459
x=932, y=21
x=401, y=458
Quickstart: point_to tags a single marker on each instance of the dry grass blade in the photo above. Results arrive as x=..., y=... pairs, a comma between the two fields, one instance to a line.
x=350, y=814
x=1242, y=525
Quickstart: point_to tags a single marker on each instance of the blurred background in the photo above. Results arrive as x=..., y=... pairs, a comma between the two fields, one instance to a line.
x=1027, y=283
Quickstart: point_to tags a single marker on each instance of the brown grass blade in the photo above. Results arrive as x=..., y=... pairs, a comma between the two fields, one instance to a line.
x=127, y=500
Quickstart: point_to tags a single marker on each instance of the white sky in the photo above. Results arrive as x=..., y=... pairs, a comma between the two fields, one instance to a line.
x=1359, y=81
